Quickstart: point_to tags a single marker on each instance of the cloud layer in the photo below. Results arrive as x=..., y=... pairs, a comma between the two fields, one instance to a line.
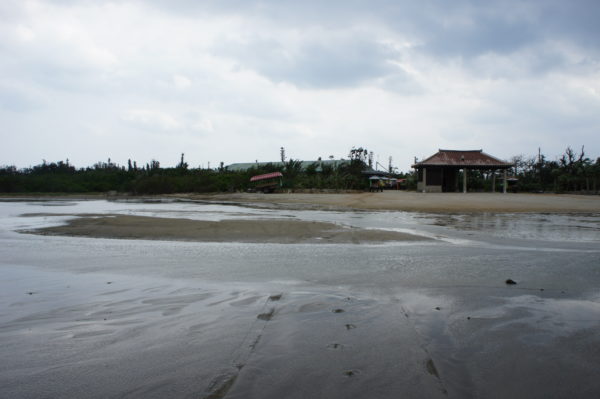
x=235, y=81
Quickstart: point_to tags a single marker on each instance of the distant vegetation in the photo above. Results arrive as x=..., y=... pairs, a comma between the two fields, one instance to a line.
x=62, y=177
x=570, y=173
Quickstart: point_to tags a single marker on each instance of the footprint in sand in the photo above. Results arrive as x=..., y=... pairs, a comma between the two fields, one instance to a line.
x=266, y=316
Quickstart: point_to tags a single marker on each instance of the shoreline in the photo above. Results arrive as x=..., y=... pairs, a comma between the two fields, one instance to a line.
x=408, y=201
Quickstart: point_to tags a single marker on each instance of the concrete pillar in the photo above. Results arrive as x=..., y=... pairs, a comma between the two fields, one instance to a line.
x=494, y=181
x=465, y=180
x=455, y=180
x=505, y=183
x=424, y=179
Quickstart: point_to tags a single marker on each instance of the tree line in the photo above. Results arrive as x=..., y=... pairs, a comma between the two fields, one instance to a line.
x=572, y=172
x=151, y=178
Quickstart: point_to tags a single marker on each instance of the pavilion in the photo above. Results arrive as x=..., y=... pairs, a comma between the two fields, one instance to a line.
x=439, y=172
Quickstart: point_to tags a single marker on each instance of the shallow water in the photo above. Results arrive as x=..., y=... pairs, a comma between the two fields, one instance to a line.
x=134, y=318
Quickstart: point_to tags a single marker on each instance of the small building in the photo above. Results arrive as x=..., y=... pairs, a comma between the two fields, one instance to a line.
x=268, y=182
x=440, y=172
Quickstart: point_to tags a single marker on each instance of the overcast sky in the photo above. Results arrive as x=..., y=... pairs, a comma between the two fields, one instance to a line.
x=234, y=81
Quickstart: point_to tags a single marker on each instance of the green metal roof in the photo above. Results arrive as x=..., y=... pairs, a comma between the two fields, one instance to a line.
x=239, y=167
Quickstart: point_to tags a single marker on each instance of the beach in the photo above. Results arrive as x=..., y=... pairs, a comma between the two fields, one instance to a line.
x=389, y=200
x=411, y=201
x=261, y=296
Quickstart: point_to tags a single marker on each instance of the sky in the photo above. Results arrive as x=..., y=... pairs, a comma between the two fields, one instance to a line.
x=234, y=81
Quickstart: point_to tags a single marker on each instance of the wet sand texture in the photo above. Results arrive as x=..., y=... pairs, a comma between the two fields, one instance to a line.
x=254, y=231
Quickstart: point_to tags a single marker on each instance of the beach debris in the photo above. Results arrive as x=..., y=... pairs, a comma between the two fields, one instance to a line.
x=350, y=326
x=468, y=317
x=109, y=282
x=350, y=373
x=338, y=310
x=510, y=281
x=275, y=297
x=438, y=308
x=30, y=293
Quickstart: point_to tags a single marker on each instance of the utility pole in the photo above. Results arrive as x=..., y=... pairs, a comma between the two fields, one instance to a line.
x=539, y=164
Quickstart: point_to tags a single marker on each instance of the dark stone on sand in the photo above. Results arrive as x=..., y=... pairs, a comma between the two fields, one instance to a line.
x=266, y=316
x=437, y=308
x=350, y=326
x=338, y=310
x=275, y=297
x=510, y=282
x=468, y=317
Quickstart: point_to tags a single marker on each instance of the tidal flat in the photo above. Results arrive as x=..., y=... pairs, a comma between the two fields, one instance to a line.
x=102, y=317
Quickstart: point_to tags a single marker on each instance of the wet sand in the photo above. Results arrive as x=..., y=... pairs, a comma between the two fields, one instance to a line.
x=281, y=231
x=158, y=319
x=419, y=202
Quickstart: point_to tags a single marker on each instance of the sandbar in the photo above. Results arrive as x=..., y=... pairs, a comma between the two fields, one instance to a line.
x=282, y=231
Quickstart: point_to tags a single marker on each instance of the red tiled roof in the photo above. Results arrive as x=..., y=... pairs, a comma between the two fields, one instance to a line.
x=475, y=158
x=266, y=176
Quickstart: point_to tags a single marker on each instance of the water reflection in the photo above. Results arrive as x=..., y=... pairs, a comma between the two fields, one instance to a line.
x=550, y=227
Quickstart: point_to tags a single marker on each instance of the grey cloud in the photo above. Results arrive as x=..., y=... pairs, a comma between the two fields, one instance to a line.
x=17, y=100
x=402, y=84
x=463, y=28
x=506, y=26
x=466, y=30
x=484, y=34
x=576, y=20
x=315, y=63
